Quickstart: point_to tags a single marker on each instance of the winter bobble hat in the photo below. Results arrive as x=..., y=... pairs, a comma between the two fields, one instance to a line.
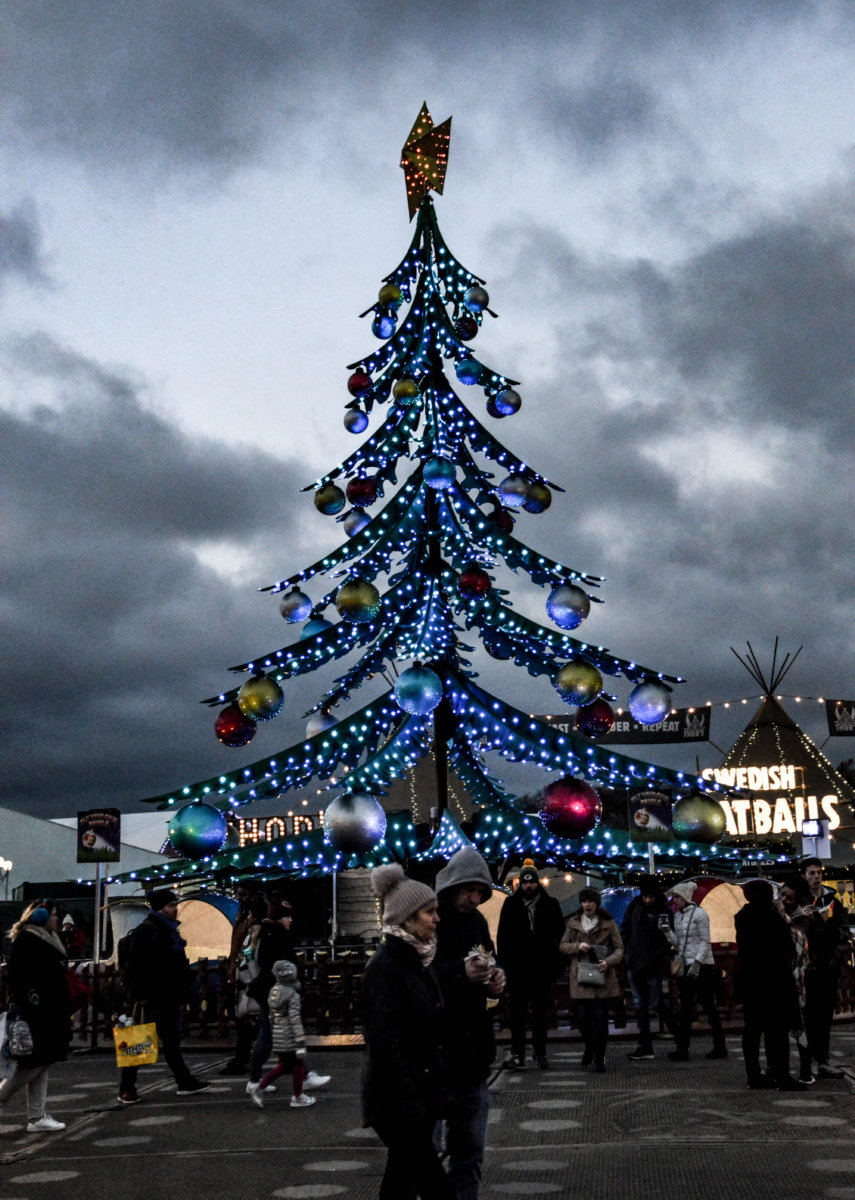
x=400, y=896
x=684, y=890
x=529, y=872
x=466, y=866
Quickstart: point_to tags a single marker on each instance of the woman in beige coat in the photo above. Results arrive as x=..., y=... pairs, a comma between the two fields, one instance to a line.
x=592, y=936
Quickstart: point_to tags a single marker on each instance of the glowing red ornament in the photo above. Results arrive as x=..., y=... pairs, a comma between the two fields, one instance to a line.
x=593, y=720
x=233, y=728
x=473, y=582
x=571, y=808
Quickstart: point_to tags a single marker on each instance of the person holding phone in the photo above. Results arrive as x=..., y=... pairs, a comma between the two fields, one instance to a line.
x=645, y=928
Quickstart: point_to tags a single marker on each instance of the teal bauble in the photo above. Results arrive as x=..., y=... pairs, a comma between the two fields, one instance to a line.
x=468, y=371
x=197, y=831
x=418, y=690
x=439, y=473
x=314, y=627
x=476, y=298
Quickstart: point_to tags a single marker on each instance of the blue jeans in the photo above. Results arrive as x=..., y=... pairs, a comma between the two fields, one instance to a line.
x=466, y=1137
x=647, y=993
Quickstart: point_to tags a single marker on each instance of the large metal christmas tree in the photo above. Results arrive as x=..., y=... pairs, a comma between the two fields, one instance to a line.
x=413, y=584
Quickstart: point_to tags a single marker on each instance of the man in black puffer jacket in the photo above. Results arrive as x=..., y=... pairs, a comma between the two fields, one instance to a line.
x=468, y=977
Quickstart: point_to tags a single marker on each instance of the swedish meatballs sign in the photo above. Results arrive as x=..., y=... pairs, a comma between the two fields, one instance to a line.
x=681, y=725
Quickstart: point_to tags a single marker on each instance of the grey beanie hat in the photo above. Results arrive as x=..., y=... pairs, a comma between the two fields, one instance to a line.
x=400, y=896
x=465, y=866
x=284, y=970
x=684, y=890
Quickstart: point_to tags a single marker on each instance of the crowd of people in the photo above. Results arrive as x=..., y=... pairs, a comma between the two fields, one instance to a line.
x=429, y=991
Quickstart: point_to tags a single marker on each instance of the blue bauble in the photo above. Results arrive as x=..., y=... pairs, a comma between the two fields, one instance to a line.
x=383, y=326
x=468, y=371
x=319, y=722
x=649, y=703
x=355, y=521
x=476, y=299
x=513, y=491
x=418, y=690
x=197, y=831
x=355, y=420
x=295, y=606
x=507, y=402
x=568, y=606
x=354, y=823
x=439, y=473
x=314, y=627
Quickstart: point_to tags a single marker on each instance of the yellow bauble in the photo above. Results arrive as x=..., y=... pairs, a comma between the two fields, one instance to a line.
x=390, y=295
x=260, y=698
x=578, y=683
x=357, y=601
x=405, y=389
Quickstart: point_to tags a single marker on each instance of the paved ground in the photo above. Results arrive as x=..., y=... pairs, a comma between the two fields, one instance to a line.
x=649, y=1131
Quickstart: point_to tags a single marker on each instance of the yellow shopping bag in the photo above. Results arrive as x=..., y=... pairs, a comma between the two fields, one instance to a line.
x=136, y=1045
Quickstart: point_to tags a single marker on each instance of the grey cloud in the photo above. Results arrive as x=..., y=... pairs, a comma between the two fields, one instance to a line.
x=774, y=309
x=209, y=84
x=20, y=245
x=114, y=626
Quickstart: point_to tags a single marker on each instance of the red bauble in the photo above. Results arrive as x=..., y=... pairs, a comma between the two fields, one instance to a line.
x=473, y=582
x=571, y=808
x=233, y=728
x=362, y=491
x=503, y=519
x=359, y=382
x=595, y=719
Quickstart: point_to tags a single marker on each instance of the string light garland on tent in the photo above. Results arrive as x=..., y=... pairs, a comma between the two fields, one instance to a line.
x=416, y=573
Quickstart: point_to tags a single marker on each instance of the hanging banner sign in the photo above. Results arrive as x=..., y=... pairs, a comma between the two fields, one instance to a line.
x=681, y=725
x=841, y=718
x=99, y=835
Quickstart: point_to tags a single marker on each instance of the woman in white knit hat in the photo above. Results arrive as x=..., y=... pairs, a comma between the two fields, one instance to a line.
x=403, y=1086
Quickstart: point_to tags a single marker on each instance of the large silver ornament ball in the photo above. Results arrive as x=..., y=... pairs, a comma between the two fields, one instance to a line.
x=354, y=823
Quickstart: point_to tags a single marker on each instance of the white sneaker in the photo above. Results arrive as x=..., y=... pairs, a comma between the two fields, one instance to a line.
x=45, y=1124
x=302, y=1101
x=253, y=1090
x=314, y=1080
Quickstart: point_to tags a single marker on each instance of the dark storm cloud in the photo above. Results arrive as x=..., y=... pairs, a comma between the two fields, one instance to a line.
x=114, y=627
x=209, y=83
x=776, y=307
x=600, y=114
x=697, y=415
x=20, y=246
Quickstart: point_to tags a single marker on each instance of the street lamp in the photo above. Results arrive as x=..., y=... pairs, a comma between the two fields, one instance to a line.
x=6, y=866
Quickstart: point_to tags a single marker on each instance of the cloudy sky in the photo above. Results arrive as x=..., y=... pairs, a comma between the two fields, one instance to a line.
x=198, y=198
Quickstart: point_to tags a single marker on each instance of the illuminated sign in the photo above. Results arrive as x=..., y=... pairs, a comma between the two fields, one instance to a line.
x=778, y=814
x=260, y=829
